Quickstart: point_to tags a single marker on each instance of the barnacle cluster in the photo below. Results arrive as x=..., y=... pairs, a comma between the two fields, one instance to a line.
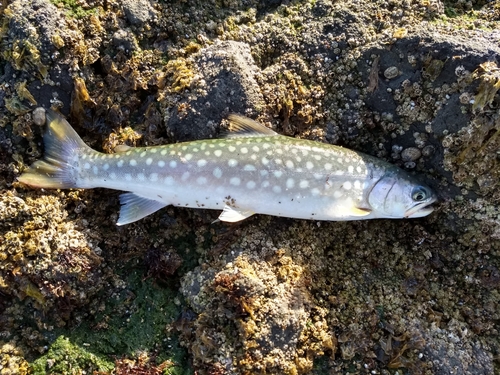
x=44, y=257
x=472, y=156
x=266, y=304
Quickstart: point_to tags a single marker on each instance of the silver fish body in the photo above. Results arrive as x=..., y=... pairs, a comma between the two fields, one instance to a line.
x=253, y=170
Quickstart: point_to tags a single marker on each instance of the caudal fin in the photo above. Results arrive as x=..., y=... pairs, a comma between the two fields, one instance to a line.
x=63, y=147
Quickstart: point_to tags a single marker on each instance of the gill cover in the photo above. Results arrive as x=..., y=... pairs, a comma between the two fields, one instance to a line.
x=399, y=196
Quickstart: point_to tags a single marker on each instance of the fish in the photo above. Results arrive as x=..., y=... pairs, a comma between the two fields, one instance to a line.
x=250, y=170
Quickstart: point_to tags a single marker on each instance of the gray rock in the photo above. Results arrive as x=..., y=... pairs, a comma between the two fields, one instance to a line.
x=138, y=12
x=124, y=39
x=227, y=72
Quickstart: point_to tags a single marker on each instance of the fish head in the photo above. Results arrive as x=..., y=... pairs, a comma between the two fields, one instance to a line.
x=398, y=195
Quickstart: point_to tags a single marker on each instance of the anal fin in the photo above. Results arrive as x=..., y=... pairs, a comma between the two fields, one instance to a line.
x=232, y=215
x=135, y=208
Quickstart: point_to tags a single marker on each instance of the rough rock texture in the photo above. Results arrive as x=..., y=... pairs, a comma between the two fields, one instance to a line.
x=412, y=82
x=224, y=83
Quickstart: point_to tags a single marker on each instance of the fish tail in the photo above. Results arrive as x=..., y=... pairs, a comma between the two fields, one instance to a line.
x=63, y=148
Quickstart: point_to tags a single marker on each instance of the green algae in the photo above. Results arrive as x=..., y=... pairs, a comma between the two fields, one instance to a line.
x=73, y=8
x=64, y=357
x=135, y=320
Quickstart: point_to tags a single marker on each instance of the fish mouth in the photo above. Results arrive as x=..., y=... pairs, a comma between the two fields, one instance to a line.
x=421, y=209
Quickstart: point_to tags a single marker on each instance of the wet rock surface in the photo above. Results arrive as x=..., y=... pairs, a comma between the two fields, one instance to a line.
x=414, y=83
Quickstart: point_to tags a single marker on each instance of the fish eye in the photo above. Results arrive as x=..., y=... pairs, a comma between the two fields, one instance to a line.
x=419, y=194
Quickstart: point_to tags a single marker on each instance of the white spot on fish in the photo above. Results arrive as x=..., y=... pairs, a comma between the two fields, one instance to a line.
x=337, y=194
x=358, y=169
x=278, y=174
x=298, y=158
x=290, y=183
x=142, y=154
x=201, y=163
x=188, y=157
x=128, y=177
x=317, y=157
x=253, y=157
x=201, y=180
x=232, y=162
x=244, y=150
x=169, y=181
x=264, y=161
x=95, y=169
x=251, y=184
x=338, y=173
x=185, y=176
x=149, y=161
x=304, y=184
x=120, y=163
x=153, y=177
x=289, y=164
x=132, y=162
x=217, y=172
x=161, y=164
x=309, y=165
x=87, y=166
x=153, y=150
x=315, y=192
x=264, y=172
x=172, y=164
x=231, y=148
x=266, y=145
x=277, y=189
x=163, y=152
x=235, y=181
x=255, y=148
x=249, y=167
x=350, y=169
x=265, y=184
x=328, y=166
x=218, y=153
x=305, y=152
x=347, y=185
x=340, y=160
x=105, y=166
x=112, y=175
x=141, y=177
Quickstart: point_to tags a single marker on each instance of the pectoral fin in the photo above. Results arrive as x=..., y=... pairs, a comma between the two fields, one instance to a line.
x=232, y=215
x=122, y=148
x=359, y=211
x=135, y=208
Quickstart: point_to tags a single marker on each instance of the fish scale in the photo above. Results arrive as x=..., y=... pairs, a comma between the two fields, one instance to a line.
x=252, y=170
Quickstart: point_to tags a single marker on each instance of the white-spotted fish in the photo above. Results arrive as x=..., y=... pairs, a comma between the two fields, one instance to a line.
x=252, y=170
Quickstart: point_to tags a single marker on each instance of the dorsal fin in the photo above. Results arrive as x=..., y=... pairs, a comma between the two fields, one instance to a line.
x=241, y=126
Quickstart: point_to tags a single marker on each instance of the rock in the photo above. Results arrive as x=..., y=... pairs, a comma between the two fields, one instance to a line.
x=226, y=83
x=139, y=12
